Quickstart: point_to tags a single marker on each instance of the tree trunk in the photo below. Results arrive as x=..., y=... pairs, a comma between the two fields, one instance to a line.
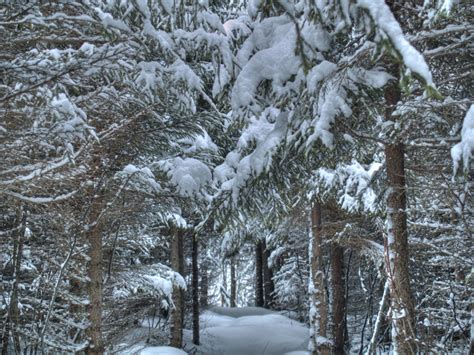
x=195, y=255
x=204, y=290
x=378, y=323
x=177, y=313
x=402, y=305
x=471, y=347
x=338, y=297
x=94, y=289
x=224, y=294
x=268, y=285
x=233, y=283
x=319, y=344
x=13, y=311
x=182, y=271
x=258, y=275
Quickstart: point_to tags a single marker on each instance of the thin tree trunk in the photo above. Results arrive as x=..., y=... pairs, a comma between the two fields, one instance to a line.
x=378, y=323
x=94, y=238
x=402, y=305
x=233, y=283
x=224, y=294
x=64, y=265
x=319, y=344
x=177, y=313
x=195, y=255
x=259, y=302
x=13, y=311
x=338, y=298
x=204, y=290
x=268, y=285
x=182, y=271
x=471, y=347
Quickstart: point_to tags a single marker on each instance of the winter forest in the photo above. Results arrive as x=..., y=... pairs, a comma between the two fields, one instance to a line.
x=236, y=177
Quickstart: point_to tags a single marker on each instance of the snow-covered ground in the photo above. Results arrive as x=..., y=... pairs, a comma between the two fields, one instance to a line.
x=161, y=350
x=249, y=330
x=241, y=331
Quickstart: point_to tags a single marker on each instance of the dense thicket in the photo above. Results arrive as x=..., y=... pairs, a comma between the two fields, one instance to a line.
x=159, y=157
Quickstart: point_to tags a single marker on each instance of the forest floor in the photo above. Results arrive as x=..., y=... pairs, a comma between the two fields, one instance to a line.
x=238, y=331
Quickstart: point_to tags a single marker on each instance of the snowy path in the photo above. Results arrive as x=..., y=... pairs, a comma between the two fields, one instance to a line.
x=232, y=331
x=249, y=331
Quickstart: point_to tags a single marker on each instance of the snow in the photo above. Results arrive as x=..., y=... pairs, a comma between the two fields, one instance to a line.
x=161, y=350
x=109, y=21
x=464, y=149
x=275, y=40
x=162, y=37
x=201, y=142
x=40, y=199
x=267, y=136
x=250, y=330
x=445, y=6
x=189, y=175
x=87, y=48
x=181, y=71
x=236, y=28
x=252, y=7
x=174, y=219
x=319, y=73
x=241, y=311
x=374, y=78
x=160, y=284
x=234, y=331
x=353, y=182
x=143, y=175
x=329, y=107
x=168, y=6
x=383, y=17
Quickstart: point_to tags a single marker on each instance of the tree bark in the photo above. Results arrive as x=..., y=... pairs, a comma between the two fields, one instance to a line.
x=177, y=313
x=233, y=283
x=378, y=323
x=224, y=294
x=259, y=302
x=319, y=344
x=94, y=287
x=402, y=305
x=195, y=272
x=204, y=290
x=268, y=285
x=338, y=298
x=13, y=310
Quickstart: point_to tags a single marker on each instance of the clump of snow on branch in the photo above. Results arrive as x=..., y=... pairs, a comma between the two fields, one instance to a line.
x=141, y=176
x=188, y=175
x=157, y=280
x=353, y=184
x=267, y=137
x=71, y=119
x=389, y=27
x=464, y=149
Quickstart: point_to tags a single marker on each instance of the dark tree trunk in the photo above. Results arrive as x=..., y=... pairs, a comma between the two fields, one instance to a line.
x=13, y=311
x=338, y=298
x=182, y=271
x=195, y=272
x=268, y=285
x=178, y=312
x=224, y=294
x=319, y=313
x=94, y=238
x=258, y=275
x=204, y=290
x=233, y=283
x=397, y=239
